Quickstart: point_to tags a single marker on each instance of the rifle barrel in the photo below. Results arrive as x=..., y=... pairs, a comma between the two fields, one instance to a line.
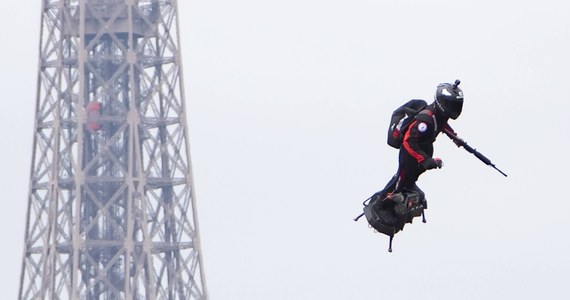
x=471, y=150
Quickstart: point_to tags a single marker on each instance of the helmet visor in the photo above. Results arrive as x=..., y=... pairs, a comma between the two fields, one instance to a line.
x=454, y=108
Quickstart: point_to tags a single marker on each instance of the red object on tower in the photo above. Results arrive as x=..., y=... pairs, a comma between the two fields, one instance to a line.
x=93, y=114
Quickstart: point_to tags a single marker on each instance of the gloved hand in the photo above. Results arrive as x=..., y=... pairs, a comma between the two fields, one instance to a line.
x=459, y=142
x=432, y=163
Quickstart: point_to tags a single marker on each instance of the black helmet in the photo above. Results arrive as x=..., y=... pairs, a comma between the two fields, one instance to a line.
x=449, y=99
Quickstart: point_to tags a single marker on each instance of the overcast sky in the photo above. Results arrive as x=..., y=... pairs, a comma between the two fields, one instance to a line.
x=288, y=104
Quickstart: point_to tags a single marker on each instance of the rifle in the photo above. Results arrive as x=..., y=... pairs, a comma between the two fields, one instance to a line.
x=462, y=143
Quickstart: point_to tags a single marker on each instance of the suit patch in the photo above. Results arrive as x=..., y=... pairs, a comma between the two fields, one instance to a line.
x=422, y=127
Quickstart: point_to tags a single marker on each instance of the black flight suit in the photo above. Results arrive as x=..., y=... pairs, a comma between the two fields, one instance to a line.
x=417, y=149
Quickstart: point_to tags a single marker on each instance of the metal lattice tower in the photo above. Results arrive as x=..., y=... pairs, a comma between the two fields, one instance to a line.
x=111, y=212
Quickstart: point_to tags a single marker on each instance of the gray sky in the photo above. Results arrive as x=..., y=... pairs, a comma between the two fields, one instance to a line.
x=289, y=103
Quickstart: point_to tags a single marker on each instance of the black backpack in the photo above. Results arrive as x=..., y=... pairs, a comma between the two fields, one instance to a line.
x=401, y=119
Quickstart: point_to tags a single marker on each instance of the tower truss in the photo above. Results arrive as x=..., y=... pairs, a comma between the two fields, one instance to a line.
x=111, y=207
